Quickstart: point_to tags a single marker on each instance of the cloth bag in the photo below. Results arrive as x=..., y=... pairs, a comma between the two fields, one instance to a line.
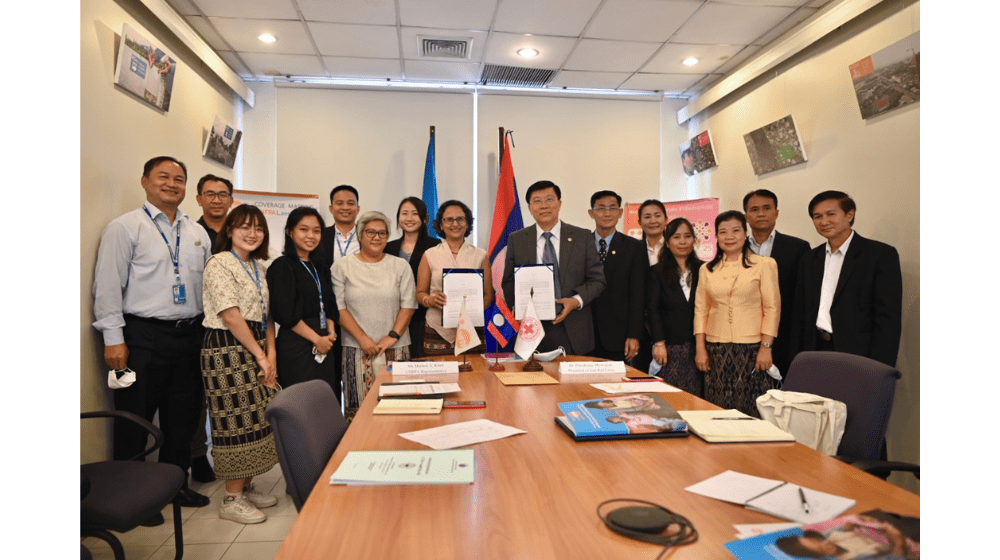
x=815, y=421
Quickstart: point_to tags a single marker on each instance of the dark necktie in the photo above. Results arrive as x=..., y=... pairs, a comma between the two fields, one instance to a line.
x=549, y=257
x=603, y=251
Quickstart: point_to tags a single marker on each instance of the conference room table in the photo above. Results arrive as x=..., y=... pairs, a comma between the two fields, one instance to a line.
x=536, y=494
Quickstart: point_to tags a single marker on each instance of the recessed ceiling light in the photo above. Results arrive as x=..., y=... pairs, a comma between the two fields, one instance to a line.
x=528, y=52
x=689, y=61
x=267, y=38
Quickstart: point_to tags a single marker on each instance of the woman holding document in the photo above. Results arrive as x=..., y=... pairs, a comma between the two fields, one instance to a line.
x=454, y=224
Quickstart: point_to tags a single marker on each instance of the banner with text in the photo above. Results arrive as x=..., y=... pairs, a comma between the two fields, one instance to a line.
x=700, y=212
x=275, y=207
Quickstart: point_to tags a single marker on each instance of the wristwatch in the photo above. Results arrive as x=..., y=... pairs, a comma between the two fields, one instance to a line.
x=394, y=334
x=766, y=344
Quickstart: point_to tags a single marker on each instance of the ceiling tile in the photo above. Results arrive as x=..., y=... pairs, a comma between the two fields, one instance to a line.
x=665, y=83
x=710, y=57
x=183, y=7
x=381, y=68
x=248, y=9
x=230, y=58
x=610, y=56
x=364, y=41
x=206, y=31
x=410, y=42
x=371, y=12
x=565, y=18
x=737, y=59
x=242, y=35
x=797, y=17
x=724, y=24
x=283, y=64
x=640, y=20
x=589, y=80
x=552, y=51
x=449, y=14
x=789, y=3
x=426, y=70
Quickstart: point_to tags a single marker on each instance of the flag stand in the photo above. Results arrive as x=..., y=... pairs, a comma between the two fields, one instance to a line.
x=532, y=364
x=465, y=366
x=497, y=366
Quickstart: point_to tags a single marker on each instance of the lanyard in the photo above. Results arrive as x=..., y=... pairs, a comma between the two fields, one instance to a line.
x=175, y=256
x=256, y=278
x=343, y=250
x=319, y=288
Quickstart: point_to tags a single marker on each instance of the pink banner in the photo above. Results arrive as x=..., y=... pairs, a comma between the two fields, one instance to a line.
x=700, y=212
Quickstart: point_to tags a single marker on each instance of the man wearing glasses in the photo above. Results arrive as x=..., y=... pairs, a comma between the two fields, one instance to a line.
x=578, y=275
x=619, y=311
x=215, y=196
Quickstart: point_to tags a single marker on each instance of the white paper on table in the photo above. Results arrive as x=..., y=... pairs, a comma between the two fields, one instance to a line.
x=746, y=530
x=418, y=389
x=459, y=282
x=406, y=467
x=461, y=434
x=734, y=487
x=785, y=502
x=636, y=387
x=537, y=277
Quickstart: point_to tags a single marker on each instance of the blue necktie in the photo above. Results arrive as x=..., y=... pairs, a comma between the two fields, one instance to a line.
x=549, y=257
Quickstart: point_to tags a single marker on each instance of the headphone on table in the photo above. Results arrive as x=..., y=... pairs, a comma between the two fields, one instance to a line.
x=648, y=522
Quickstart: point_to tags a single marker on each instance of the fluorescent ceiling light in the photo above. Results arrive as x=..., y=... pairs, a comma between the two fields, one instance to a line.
x=528, y=52
x=689, y=61
x=267, y=38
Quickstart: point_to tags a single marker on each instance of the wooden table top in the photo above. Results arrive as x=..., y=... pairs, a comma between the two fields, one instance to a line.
x=536, y=494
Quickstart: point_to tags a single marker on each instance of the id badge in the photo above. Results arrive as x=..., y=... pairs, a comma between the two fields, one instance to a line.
x=179, y=294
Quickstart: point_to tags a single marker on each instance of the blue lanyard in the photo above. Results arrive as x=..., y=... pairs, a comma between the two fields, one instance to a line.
x=256, y=278
x=343, y=250
x=319, y=288
x=175, y=256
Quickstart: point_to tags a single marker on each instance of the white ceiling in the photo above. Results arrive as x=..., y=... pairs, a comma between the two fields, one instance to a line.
x=595, y=44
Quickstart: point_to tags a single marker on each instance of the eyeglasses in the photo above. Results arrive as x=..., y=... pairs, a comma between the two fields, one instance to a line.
x=247, y=229
x=372, y=234
x=538, y=201
x=606, y=209
x=222, y=196
x=450, y=221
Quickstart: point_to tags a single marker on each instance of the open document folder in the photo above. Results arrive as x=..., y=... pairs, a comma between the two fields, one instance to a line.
x=406, y=467
x=731, y=426
x=773, y=497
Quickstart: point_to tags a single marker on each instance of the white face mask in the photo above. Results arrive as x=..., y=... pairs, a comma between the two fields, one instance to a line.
x=127, y=378
x=549, y=356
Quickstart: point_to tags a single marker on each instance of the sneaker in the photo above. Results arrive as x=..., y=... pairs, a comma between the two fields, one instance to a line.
x=259, y=498
x=240, y=510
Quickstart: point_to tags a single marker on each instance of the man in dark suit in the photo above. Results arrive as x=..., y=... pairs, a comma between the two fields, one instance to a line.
x=761, y=207
x=578, y=271
x=849, y=296
x=619, y=312
x=339, y=240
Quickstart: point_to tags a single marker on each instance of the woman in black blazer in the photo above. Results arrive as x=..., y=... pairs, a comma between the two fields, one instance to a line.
x=411, y=218
x=671, y=285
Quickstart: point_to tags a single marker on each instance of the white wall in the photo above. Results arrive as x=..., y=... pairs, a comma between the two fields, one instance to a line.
x=119, y=133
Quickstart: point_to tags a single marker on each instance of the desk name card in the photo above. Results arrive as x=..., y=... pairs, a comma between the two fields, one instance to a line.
x=424, y=368
x=591, y=367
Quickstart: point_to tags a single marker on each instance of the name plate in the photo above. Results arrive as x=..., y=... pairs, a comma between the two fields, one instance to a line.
x=424, y=368
x=572, y=368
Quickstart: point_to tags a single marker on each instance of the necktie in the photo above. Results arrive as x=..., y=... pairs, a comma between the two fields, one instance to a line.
x=549, y=257
x=603, y=251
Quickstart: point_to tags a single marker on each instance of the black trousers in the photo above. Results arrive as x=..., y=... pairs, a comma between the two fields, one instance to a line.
x=166, y=362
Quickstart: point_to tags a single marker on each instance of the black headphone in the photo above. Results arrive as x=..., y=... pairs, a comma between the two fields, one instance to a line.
x=647, y=522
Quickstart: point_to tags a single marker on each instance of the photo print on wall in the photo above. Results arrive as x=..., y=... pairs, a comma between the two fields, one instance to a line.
x=888, y=79
x=222, y=143
x=144, y=70
x=775, y=146
x=698, y=154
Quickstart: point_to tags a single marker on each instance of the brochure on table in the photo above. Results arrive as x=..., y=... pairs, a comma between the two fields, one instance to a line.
x=406, y=467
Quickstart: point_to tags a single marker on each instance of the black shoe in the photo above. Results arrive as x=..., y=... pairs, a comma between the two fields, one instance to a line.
x=189, y=498
x=201, y=470
x=154, y=521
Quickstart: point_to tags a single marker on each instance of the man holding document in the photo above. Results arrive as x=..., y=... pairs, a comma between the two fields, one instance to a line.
x=570, y=278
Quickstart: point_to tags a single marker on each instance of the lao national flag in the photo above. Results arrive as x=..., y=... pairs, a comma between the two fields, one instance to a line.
x=499, y=318
x=530, y=333
x=465, y=337
x=430, y=197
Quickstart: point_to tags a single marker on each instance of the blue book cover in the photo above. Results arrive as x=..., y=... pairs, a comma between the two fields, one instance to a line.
x=622, y=417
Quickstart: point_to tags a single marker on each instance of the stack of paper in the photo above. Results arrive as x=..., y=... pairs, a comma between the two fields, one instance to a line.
x=635, y=387
x=416, y=389
x=728, y=426
x=409, y=406
x=406, y=467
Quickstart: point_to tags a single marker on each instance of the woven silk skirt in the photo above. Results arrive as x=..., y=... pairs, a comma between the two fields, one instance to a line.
x=436, y=345
x=360, y=372
x=680, y=370
x=242, y=442
x=731, y=382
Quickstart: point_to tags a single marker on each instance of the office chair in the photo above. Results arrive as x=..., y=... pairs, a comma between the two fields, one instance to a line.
x=307, y=424
x=121, y=495
x=868, y=388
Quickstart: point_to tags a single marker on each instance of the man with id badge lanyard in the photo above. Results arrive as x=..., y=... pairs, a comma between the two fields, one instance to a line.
x=148, y=306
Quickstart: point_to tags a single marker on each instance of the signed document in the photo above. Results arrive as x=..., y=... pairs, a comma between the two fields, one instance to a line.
x=537, y=278
x=461, y=434
x=459, y=283
x=406, y=467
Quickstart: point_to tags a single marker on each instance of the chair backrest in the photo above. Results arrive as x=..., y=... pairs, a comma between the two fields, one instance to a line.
x=307, y=425
x=866, y=386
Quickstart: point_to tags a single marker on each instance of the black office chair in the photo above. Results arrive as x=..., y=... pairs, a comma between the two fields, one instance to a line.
x=121, y=495
x=868, y=388
x=307, y=424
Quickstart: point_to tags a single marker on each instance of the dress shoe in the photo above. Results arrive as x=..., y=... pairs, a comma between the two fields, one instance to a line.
x=154, y=521
x=189, y=498
x=201, y=470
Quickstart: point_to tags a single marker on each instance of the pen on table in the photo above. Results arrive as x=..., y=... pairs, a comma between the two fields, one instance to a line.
x=805, y=504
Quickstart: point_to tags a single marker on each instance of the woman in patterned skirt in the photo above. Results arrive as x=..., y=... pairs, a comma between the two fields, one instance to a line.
x=374, y=293
x=670, y=289
x=736, y=312
x=238, y=363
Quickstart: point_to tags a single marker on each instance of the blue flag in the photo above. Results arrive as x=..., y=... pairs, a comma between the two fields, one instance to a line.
x=430, y=187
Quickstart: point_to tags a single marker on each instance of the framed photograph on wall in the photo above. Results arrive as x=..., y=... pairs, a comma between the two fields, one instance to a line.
x=775, y=146
x=222, y=143
x=698, y=154
x=145, y=70
x=888, y=79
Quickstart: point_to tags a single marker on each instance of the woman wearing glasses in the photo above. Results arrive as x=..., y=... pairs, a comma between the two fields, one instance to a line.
x=411, y=216
x=374, y=292
x=454, y=224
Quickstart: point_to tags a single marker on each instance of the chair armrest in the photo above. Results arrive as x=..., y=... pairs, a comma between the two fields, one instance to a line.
x=869, y=466
x=148, y=426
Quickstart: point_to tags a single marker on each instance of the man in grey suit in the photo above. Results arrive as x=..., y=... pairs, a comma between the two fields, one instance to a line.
x=579, y=275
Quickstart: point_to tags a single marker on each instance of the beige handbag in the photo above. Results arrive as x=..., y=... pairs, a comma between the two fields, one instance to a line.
x=815, y=421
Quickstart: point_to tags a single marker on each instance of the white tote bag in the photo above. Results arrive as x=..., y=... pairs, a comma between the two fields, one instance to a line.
x=815, y=421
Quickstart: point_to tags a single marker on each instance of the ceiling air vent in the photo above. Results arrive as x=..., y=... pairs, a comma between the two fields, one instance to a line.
x=450, y=48
x=496, y=75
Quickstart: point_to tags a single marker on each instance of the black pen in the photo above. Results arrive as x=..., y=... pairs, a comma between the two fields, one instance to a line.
x=805, y=504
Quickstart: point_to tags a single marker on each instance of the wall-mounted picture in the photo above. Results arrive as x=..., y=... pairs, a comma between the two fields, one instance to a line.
x=888, y=79
x=698, y=154
x=144, y=69
x=222, y=143
x=775, y=146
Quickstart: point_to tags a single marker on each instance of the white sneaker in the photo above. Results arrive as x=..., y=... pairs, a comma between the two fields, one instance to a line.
x=259, y=498
x=240, y=510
